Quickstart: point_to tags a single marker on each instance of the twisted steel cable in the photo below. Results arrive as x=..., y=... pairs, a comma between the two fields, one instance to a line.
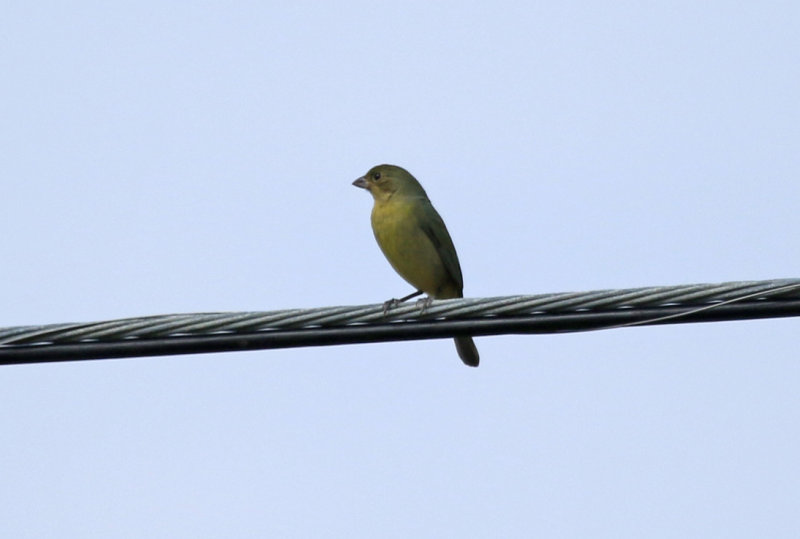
x=541, y=313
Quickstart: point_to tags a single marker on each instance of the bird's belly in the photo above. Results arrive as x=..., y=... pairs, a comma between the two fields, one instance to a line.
x=413, y=256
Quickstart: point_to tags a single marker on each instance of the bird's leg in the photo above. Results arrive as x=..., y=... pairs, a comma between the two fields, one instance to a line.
x=394, y=302
x=408, y=297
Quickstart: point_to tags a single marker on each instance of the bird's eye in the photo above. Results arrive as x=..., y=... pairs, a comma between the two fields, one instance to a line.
x=377, y=176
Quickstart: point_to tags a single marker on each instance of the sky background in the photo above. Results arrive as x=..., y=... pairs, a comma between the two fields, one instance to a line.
x=193, y=157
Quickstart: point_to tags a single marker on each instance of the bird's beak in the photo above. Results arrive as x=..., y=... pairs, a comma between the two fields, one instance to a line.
x=361, y=182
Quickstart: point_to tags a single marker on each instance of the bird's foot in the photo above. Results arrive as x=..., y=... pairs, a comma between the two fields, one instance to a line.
x=389, y=305
x=424, y=303
x=394, y=302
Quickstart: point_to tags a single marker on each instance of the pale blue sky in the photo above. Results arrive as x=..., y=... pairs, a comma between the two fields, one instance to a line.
x=198, y=157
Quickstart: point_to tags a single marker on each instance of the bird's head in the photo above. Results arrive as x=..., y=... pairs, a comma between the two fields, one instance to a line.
x=386, y=181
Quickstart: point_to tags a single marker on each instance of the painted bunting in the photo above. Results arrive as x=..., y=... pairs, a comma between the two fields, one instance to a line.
x=414, y=239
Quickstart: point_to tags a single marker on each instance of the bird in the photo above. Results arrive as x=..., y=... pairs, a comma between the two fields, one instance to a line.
x=415, y=241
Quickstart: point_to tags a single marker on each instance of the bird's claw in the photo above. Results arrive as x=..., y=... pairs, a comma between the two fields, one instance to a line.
x=391, y=304
x=394, y=302
x=424, y=303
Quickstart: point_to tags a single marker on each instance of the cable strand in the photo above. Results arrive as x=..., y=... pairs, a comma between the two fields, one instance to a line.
x=541, y=313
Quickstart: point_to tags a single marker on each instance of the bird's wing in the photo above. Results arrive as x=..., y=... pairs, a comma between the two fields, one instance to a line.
x=433, y=226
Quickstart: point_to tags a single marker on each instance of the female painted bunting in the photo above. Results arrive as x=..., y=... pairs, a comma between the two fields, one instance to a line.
x=414, y=239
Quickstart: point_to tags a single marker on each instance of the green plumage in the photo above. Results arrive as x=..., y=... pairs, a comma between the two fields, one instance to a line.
x=414, y=239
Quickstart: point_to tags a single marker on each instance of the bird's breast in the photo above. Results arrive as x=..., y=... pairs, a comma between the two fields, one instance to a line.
x=408, y=248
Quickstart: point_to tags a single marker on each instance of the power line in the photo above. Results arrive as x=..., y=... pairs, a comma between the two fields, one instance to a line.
x=542, y=313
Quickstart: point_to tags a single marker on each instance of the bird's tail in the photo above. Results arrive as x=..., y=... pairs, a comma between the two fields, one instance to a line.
x=467, y=351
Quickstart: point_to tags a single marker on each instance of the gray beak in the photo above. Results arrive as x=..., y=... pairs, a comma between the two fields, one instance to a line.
x=361, y=182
